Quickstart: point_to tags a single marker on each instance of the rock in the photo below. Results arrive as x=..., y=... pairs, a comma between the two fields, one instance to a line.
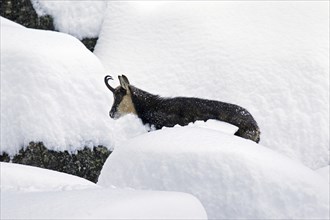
x=22, y=12
x=89, y=43
x=86, y=163
x=4, y=157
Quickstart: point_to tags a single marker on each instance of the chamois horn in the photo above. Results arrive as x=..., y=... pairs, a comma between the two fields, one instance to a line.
x=106, y=79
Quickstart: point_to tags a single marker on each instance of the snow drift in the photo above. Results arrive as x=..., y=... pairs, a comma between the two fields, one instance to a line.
x=8, y=23
x=82, y=19
x=232, y=177
x=270, y=57
x=52, y=90
x=22, y=178
x=101, y=204
x=35, y=193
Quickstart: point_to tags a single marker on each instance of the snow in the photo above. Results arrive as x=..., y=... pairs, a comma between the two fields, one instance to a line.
x=52, y=90
x=126, y=128
x=101, y=204
x=215, y=125
x=35, y=193
x=22, y=178
x=270, y=57
x=9, y=23
x=324, y=172
x=82, y=19
x=232, y=177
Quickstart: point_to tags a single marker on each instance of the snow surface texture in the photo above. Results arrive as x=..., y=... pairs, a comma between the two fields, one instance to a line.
x=101, y=204
x=325, y=172
x=231, y=176
x=269, y=57
x=34, y=193
x=82, y=19
x=21, y=178
x=9, y=23
x=214, y=125
x=52, y=90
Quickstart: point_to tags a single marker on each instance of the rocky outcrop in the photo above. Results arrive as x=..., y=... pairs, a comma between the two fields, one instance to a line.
x=22, y=12
x=89, y=43
x=86, y=163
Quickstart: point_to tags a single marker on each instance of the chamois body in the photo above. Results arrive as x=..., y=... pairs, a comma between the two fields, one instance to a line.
x=167, y=112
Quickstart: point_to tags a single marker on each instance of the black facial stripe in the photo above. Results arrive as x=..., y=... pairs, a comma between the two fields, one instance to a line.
x=118, y=96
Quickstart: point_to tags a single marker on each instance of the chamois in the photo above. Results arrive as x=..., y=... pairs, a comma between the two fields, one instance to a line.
x=159, y=112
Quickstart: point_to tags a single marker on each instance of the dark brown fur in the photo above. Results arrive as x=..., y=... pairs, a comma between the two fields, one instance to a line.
x=167, y=112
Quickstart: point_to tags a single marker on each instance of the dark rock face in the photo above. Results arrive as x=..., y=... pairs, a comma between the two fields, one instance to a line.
x=89, y=43
x=4, y=157
x=86, y=163
x=22, y=12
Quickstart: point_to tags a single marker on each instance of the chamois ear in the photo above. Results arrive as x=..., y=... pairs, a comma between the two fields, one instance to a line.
x=124, y=82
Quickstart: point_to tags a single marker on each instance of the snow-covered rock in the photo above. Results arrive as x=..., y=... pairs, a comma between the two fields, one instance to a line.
x=22, y=178
x=269, y=57
x=52, y=90
x=232, y=177
x=82, y=19
x=35, y=193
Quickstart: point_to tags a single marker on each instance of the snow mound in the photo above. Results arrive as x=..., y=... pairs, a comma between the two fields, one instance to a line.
x=270, y=57
x=35, y=193
x=6, y=22
x=82, y=19
x=22, y=178
x=101, y=204
x=215, y=125
x=52, y=90
x=232, y=177
x=127, y=127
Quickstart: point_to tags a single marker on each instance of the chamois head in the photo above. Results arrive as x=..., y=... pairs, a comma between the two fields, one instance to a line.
x=123, y=103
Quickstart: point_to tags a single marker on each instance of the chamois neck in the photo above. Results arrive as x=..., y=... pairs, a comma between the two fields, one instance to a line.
x=143, y=100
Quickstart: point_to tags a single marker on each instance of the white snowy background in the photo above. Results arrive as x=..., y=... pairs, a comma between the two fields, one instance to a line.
x=269, y=57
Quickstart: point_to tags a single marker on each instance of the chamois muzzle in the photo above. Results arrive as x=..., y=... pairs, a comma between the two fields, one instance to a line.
x=112, y=114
